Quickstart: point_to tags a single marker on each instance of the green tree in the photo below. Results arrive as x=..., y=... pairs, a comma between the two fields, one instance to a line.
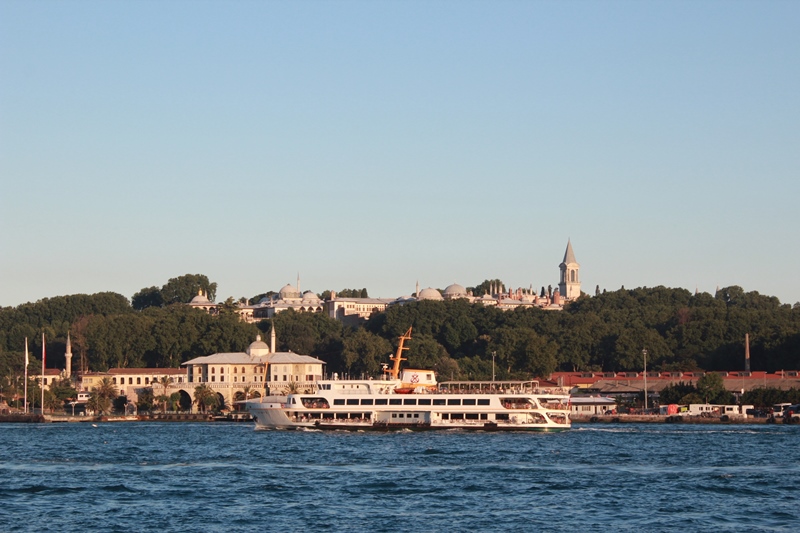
x=205, y=397
x=146, y=400
x=147, y=297
x=183, y=288
x=711, y=388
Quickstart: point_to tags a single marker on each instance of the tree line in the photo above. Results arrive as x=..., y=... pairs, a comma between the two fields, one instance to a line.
x=607, y=332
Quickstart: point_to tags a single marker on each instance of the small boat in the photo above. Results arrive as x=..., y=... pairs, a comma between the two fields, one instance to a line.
x=412, y=399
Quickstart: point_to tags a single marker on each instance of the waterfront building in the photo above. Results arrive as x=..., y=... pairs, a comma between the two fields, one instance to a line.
x=260, y=369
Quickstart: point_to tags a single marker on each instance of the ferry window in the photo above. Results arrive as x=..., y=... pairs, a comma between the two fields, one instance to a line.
x=469, y=401
x=439, y=401
x=366, y=401
x=409, y=401
x=501, y=416
x=484, y=416
x=394, y=415
x=424, y=401
x=429, y=376
x=416, y=415
x=483, y=402
x=472, y=416
x=454, y=401
x=352, y=401
x=339, y=401
x=381, y=401
x=401, y=415
x=457, y=416
x=395, y=401
x=445, y=416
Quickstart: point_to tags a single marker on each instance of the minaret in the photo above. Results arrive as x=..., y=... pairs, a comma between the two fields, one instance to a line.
x=68, y=357
x=272, y=339
x=569, y=287
x=416, y=294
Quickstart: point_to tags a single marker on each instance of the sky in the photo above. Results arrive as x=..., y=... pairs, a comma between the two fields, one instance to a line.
x=377, y=144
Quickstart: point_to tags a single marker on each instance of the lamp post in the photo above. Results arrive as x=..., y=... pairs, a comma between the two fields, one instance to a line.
x=644, y=354
x=493, y=355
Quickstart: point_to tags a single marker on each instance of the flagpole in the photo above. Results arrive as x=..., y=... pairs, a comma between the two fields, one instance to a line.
x=42, y=383
x=25, y=408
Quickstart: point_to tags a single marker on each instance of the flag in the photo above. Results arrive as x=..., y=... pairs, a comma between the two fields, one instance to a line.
x=26, y=353
x=42, y=354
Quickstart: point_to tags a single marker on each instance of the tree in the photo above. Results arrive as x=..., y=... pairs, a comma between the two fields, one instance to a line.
x=147, y=297
x=183, y=288
x=711, y=388
x=205, y=397
x=102, y=397
x=165, y=382
x=146, y=400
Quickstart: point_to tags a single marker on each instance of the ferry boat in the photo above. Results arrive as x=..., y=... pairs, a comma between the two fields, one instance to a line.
x=412, y=399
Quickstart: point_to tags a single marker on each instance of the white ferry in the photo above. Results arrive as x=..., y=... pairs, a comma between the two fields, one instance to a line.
x=412, y=399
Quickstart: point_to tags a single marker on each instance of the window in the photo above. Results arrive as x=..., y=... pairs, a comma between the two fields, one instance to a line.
x=212, y=369
x=130, y=381
x=439, y=401
x=424, y=401
x=468, y=401
x=395, y=401
x=221, y=370
x=483, y=402
x=222, y=378
x=338, y=401
x=284, y=377
x=138, y=381
x=213, y=378
x=115, y=381
x=366, y=401
x=146, y=381
x=381, y=401
x=235, y=371
x=409, y=401
x=472, y=416
x=242, y=370
x=352, y=401
x=454, y=401
x=234, y=377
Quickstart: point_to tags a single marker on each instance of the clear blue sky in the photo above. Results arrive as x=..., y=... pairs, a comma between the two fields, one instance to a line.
x=374, y=144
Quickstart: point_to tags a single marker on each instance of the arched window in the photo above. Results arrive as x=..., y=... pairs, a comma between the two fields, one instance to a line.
x=235, y=371
x=115, y=381
x=242, y=370
x=212, y=369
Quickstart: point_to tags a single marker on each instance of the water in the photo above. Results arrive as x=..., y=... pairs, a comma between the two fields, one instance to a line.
x=228, y=477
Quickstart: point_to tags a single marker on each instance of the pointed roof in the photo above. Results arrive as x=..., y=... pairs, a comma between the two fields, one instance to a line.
x=569, y=255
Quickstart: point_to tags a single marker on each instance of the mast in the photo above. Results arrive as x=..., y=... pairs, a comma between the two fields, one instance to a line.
x=398, y=356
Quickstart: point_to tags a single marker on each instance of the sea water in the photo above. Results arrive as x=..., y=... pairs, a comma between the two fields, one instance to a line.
x=229, y=477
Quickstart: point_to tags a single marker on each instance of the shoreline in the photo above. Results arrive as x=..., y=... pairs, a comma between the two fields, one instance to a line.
x=668, y=419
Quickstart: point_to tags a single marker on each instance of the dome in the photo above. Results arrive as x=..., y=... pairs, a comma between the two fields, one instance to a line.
x=455, y=291
x=430, y=294
x=258, y=347
x=200, y=298
x=289, y=291
x=310, y=296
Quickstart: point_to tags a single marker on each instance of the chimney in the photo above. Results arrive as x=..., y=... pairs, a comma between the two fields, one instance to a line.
x=747, y=352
